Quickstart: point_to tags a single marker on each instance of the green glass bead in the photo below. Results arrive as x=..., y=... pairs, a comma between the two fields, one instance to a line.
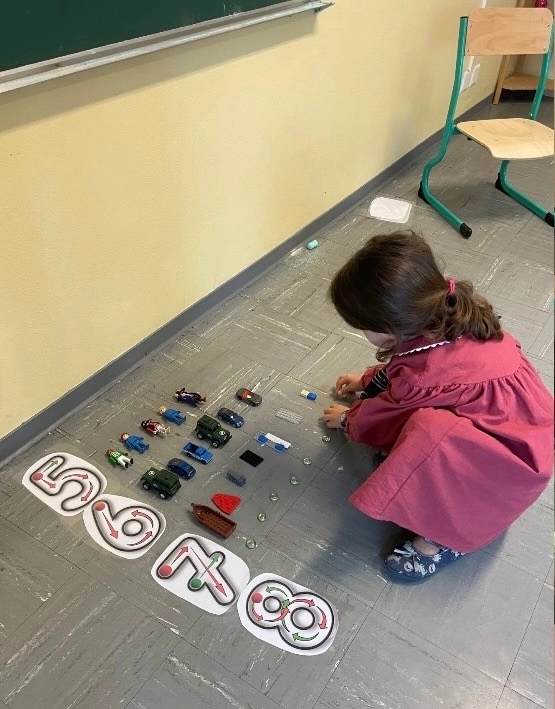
x=294, y=480
x=307, y=461
x=261, y=517
x=274, y=496
x=250, y=544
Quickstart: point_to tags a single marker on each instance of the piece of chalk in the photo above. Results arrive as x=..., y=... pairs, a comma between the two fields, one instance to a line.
x=312, y=245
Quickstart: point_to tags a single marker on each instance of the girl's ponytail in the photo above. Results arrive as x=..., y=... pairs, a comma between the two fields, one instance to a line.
x=462, y=311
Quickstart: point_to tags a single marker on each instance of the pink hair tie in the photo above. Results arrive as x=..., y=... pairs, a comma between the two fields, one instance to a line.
x=451, y=284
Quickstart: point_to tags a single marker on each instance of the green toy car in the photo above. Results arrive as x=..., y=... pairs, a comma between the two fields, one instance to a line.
x=207, y=427
x=165, y=482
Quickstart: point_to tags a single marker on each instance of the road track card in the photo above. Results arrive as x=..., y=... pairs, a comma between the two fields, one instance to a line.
x=65, y=483
x=286, y=615
x=123, y=526
x=201, y=572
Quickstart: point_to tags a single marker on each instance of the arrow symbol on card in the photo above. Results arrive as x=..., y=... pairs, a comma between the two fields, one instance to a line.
x=138, y=513
x=218, y=584
x=255, y=614
x=113, y=532
x=305, y=600
x=83, y=476
x=52, y=463
x=147, y=536
x=296, y=636
x=89, y=493
x=324, y=623
x=284, y=612
x=182, y=551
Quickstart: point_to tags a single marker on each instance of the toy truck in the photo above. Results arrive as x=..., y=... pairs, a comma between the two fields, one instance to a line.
x=199, y=453
x=207, y=427
x=165, y=482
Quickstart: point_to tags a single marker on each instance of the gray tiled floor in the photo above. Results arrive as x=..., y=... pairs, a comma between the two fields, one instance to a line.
x=80, y=628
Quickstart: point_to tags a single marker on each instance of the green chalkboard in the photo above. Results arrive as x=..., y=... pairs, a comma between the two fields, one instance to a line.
x=36, y=30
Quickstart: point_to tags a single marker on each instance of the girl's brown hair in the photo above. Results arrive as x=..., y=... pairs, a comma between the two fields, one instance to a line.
x=393, y=286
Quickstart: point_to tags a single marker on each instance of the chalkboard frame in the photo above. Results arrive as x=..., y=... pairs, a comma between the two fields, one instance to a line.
x=81, y=61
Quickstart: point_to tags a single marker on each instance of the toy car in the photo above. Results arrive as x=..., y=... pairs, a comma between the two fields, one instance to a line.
x=190, y=397
x=249, y=397
x=165, y=482
x=207, y=427
x=199, y=453
x=231, y=418
x=237, y=479
x=181, y=468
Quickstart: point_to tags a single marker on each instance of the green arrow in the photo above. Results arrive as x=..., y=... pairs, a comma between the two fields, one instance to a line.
x=54, y=461
x=285, y=603
x=269, y=589
x=296, y=636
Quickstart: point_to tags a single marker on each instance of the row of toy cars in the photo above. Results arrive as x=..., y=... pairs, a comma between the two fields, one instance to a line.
x=167, y=482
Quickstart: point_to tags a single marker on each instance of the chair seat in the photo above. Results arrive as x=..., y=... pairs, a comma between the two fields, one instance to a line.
x=511, y=138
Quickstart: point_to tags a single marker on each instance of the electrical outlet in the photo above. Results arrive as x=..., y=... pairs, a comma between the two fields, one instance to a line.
x=475, y=74
x=465, y=83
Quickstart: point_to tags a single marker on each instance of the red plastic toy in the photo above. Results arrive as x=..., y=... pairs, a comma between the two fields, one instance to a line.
x=226, y=503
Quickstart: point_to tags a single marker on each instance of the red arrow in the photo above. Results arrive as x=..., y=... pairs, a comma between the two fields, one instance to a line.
x=83, y=476
x=138, y=513
x=113, y=532
x=324, y=622
x=147, y=536
x=182, y=550
x=284, y=612
x=304, y=600
x=217, y=583
x=89, y=493
x=48, y=483
x=255, y=614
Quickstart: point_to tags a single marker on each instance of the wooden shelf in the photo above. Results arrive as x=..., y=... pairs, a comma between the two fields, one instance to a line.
x=524, y=82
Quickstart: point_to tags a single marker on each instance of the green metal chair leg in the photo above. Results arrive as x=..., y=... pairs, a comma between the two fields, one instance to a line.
x=425, y=194
x=503, y=185
x=448, y=131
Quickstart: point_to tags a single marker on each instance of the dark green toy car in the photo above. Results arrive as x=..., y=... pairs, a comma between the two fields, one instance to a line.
x=165, y=482
x=207, y=427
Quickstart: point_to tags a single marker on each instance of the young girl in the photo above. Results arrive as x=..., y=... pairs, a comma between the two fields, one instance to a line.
x=462, y=419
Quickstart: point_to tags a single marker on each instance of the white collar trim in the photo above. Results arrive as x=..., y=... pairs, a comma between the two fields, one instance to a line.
x=426, y=347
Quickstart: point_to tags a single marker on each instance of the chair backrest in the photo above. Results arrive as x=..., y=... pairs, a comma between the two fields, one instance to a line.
x=500, y=30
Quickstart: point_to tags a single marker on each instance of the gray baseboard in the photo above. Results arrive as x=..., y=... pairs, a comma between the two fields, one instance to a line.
x=35, y=428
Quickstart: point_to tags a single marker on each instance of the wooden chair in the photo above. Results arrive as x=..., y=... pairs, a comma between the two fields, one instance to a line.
x=500, y=31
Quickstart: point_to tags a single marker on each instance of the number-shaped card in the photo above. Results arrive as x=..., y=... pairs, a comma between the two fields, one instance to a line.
x=287, y=615
x=123, y=526
x=201, y=572
x=64, y=482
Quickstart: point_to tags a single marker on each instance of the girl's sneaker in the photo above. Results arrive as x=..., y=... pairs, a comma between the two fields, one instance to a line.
x=408, y=564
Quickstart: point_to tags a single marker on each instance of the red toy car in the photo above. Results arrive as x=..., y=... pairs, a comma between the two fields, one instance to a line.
x=249, y=397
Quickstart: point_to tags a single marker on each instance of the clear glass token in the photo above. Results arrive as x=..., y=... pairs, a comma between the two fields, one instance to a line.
x=261, y=516
x=326, y=439
x=274, y=496
x=250, y=544
x=294, y=480
x=307, y=461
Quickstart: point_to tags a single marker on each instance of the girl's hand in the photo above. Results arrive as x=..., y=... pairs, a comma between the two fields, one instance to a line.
x=348, y=384
x=332, y=414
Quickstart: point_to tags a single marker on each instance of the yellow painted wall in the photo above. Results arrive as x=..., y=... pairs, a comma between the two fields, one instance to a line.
x=131, y=191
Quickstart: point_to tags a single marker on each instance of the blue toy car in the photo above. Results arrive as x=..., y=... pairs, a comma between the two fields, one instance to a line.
x=199, y=453
x=230, y=417
x=181, y=468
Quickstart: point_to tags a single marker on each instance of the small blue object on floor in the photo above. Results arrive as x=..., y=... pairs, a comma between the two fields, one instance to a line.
x=408, y=564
